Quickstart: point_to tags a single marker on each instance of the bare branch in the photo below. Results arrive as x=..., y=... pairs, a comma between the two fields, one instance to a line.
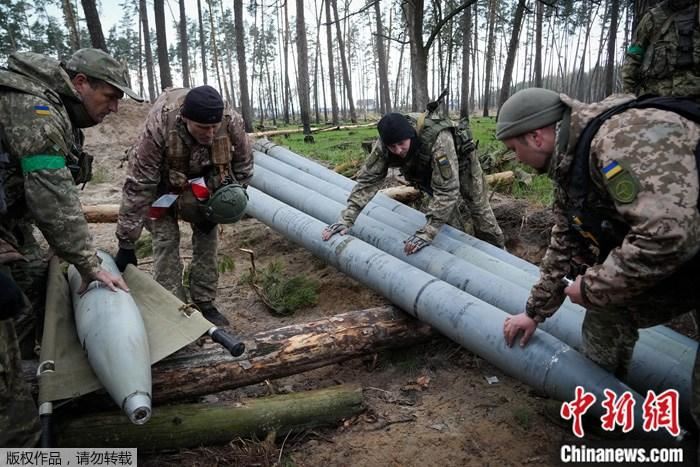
x=443, y=21
x=361, y=10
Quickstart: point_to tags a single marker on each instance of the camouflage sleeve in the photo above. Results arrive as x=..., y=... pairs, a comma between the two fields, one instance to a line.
x=631, y=68
x=369, y=179
x=242, y=160
x=663, y=215
x=146, y=159
x=547, y=295
x=445, y=186
x=50, y=193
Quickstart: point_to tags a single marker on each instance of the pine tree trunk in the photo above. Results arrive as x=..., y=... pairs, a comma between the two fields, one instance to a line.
x=193, y=425
x=143, y=13
x=344, y=64
x=303, y=81
x=612, y=35
x=538, y=44
x=490, y=52
x=166, y=80
x=466, y=39
x=383, y=66
x=92, y=18
x=71, y=25
x=286, y=65
x=512, y=51
x=331, y=65
x=184, y=57
x=246, y=110
x=202, y=41
x=215, y=52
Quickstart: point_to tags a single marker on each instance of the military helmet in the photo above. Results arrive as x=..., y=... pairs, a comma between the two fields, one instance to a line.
x=227, y=204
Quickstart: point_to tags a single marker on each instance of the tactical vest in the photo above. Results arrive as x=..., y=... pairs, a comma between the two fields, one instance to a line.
x=675, y=45
x=178, y=149
x=587, y=212
x=417, y=168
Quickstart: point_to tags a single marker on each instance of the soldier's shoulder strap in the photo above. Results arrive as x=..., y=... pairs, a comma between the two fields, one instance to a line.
x=24, y=84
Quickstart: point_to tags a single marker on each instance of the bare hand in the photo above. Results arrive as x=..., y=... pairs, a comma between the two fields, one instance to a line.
x=413, y=244
x=111, y=281
x=573, y=291
x=514, y=324
x=337, y=228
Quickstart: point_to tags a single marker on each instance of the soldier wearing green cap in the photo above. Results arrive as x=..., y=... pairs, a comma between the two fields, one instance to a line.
x=664, y=57
x=193, y=146
x=44, y=104
x=626, y=208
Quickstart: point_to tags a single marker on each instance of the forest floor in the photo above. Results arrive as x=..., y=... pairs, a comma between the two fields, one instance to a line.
x=430, y=405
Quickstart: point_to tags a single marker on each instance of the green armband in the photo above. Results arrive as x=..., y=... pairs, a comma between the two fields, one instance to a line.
x=635, y=49
x=42, y=162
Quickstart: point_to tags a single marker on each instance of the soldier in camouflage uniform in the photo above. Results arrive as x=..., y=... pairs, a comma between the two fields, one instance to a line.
x=43, y=105
x=664, y=58
x=643, y=190
x=428, y=158
x=187, y=134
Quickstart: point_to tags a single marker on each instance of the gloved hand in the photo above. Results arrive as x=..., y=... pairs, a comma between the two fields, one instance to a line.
x=125, y=257
x=11, y=302
x=413, y=244
x=333, y=229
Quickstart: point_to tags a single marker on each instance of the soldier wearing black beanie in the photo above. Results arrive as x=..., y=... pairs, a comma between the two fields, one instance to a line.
x=395, y=127
x=203, y=104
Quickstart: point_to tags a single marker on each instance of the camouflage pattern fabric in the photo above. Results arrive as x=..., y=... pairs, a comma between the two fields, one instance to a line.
x=203, y=272
x=447, y=183
x=39, y=187
x=149, y=176
x=652, y=61
x=648, y=279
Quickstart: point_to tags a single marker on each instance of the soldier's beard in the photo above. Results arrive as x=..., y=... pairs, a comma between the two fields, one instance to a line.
x=78, y=114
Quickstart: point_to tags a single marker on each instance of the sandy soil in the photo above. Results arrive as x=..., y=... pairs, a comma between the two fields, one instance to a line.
x=429, y=405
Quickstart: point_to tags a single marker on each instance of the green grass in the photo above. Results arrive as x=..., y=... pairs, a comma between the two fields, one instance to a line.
x=100, y=175
x=144, y=246
x=285, y=295
x=343, y=151
x=226, y=264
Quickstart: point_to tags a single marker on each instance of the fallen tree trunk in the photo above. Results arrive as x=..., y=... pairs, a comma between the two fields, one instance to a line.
x=192, y=425
x=260, y=134
x=409, y=193
x=281, y=352
x=101, y=213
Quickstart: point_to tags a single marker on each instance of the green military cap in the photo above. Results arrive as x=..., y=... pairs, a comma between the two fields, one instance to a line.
x=99, y=64
x=528, y=110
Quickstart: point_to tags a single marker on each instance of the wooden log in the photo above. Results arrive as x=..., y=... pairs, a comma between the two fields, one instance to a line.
x=280, y=352
x=261, y=134
x=500, y=179
x=188, y=426
x=101, y=213
x=402, y=193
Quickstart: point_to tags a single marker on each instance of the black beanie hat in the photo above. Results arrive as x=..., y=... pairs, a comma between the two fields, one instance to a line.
x=394, y=127
x=203, y=104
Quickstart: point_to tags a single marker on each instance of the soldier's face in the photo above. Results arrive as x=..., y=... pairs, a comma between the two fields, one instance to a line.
x=203, y=133
x=99, y=99
x=400, y=148
x=534, y=148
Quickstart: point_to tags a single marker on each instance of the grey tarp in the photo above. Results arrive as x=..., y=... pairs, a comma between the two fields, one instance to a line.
x=64, y=371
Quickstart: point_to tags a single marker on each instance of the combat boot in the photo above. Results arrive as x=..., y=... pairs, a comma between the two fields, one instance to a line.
x=210, y=313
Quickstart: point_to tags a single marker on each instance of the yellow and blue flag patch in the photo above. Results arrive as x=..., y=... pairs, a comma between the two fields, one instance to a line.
x=612, y=169
x=42, y=110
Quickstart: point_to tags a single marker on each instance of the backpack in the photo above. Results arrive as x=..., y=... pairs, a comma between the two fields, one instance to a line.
x=605, y=234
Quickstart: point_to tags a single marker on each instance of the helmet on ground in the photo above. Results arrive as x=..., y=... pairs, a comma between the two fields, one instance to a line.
x=227, y=204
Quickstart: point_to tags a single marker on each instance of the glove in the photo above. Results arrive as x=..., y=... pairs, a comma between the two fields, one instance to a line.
x=11, y=301
x=413, y=244
x=333, y=229
x=124, y=258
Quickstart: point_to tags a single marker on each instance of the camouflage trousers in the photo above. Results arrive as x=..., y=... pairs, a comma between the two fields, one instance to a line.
x=203, y=271
x=19, y=420
x=475, y=194
x=609, y=334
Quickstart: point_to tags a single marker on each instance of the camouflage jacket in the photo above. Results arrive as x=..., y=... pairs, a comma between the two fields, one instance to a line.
x=39, y=136
x=442, y=178
x=654, y=62
x=149, y=173
x=656, y=148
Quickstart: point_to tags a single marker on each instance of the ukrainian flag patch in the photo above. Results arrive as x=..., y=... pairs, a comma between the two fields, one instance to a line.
x=42, y=110
x=611, y=170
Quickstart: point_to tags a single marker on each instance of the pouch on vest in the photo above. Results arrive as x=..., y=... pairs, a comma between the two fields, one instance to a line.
x=80, y=165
